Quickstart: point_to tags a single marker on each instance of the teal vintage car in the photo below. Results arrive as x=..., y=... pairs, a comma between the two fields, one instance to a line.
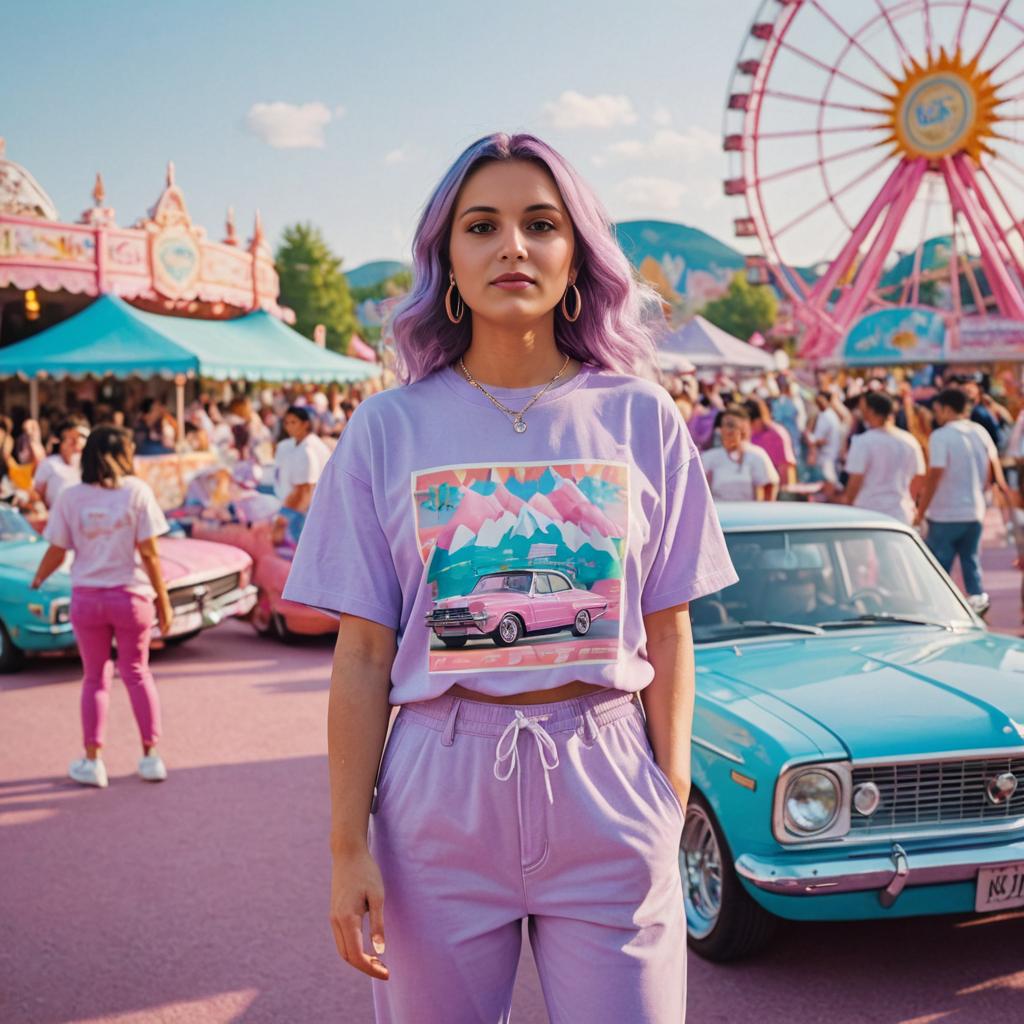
x=858, y=735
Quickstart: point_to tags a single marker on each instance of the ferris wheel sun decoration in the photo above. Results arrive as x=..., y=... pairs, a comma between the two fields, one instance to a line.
x=876, y=144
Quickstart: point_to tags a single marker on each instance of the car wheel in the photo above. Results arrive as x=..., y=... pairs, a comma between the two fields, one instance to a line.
x=722, y=920
x=581, y=624
x=454, y=641
x=279, y=628
x=262, y=615
x=11, y=657
x=509, y=630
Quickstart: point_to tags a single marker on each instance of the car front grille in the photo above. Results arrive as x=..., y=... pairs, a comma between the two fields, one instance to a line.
x=449, y=614
x=181, y=596
x=929, y=793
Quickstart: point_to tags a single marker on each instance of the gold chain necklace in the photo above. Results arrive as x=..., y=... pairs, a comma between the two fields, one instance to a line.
x=518, y=423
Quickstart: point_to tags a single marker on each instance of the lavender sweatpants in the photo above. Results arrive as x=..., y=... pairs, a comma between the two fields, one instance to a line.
x=466, y=855
x=98, y=614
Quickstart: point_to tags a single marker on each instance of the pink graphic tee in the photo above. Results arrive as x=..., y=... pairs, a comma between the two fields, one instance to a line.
x=509, y=562
x=102, y=525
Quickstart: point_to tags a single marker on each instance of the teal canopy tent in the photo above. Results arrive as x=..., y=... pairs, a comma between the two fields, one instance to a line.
x=113, y=338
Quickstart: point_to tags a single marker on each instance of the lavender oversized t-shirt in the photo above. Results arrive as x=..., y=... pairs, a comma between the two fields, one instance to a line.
x=512, y=562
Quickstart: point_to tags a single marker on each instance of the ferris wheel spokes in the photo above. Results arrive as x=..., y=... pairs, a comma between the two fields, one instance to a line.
x=962, y=191
x=969, y=178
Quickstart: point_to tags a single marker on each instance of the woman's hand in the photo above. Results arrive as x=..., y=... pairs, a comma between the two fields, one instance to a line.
x=164, y=615
x=357, y=888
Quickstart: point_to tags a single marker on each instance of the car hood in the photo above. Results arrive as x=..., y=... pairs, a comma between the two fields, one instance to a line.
x=24, y=554
x=18, y=563
x=184, y=559
x=478, y=600
x=887, y=691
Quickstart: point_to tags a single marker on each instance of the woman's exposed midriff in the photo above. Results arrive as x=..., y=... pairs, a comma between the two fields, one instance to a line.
x=576, y=688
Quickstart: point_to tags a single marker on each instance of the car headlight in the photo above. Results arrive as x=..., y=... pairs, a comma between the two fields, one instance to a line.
x=60, y=612
x=245, y=577
x=811, y=802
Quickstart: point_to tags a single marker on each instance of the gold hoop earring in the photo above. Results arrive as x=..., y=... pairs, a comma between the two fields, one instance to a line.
x=448, y=301
x=579, y=304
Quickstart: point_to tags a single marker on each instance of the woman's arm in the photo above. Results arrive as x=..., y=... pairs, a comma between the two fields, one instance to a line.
x=151, y=563
x=357, y=724
x=50, y=563
x=668, y=700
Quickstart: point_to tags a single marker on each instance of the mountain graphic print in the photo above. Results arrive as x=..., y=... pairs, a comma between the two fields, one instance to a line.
x=524, y=563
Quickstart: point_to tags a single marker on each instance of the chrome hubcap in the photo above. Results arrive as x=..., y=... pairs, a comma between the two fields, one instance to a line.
x=700, y=865
x=509, y=629
x=582, y=622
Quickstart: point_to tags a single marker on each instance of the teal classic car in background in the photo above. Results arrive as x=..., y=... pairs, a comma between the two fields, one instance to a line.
x=858, y=737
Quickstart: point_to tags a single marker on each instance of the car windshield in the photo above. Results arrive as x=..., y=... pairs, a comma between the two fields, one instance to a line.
x=14, y=526
x=813, y=581
x=519, y=582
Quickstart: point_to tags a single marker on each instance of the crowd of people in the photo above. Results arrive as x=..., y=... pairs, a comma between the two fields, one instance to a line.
x=927, y=455
x=39, y=457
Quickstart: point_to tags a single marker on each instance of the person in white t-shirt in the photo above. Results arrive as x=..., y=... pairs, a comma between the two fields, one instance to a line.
x=826, y=442
x=739, y=470
x=111, y=521
x=298, y=462
x=963, y=462
x=885, y=464
x=63, y=468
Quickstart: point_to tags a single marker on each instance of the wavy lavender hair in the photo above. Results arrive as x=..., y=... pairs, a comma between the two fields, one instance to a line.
x=618, y=325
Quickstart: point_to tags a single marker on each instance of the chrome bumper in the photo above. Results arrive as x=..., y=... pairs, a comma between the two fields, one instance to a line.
x=206, y=613
x=49, y=629
x=888, y=875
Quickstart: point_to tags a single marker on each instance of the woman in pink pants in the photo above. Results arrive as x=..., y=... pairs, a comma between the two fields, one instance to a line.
x=111, y=521
x=512, y=539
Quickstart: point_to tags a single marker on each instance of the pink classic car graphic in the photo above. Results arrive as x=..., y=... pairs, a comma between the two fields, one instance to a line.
x=506, y=606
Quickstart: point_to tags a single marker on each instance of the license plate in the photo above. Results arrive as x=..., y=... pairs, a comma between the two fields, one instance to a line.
x=1000, y=888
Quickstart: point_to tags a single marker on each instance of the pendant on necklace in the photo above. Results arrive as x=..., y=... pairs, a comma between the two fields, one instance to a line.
x=519, y=425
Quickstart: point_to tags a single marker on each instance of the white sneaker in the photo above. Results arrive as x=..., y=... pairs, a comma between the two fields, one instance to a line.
x=152, y=768
x=89, y=773
x=979, y=602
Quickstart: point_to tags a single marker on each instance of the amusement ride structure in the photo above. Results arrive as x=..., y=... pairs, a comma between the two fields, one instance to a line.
x=163, y=263
x=876, y=145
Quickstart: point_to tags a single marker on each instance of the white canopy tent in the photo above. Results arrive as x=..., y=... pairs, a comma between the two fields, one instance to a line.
x=708, y=347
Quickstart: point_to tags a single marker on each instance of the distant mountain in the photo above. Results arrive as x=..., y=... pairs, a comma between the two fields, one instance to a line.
x=935, y=253
x=688, y=266
x=701, y=251
x=369, y=274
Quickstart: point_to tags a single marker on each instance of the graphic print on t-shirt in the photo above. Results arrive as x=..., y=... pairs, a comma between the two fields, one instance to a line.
x=524, y=563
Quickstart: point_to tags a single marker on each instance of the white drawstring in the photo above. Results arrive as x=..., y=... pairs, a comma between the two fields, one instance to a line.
x=545, y=745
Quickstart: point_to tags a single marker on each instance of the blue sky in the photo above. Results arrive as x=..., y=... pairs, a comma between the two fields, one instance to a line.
x=347, y=113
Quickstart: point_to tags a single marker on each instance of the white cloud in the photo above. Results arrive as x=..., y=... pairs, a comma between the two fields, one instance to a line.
x=290, y=125
x=574, y=110
x=668, y=144
x=662, y=116
x=397, y=156
x=647, y=195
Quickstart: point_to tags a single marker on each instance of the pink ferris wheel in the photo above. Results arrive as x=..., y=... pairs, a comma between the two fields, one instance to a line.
x=876, y=145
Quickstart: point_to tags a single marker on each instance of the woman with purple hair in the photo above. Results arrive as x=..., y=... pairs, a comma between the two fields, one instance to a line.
x=512, y=539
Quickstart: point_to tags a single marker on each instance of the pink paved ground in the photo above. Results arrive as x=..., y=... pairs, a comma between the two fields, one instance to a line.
x=203, y=900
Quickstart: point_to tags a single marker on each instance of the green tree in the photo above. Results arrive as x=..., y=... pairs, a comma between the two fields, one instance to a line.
x=744, y=309
x=313, y=285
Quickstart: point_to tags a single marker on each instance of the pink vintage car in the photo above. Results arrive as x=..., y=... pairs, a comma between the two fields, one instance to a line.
x=271, y=615
x=506, y=606
x=206, y=583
